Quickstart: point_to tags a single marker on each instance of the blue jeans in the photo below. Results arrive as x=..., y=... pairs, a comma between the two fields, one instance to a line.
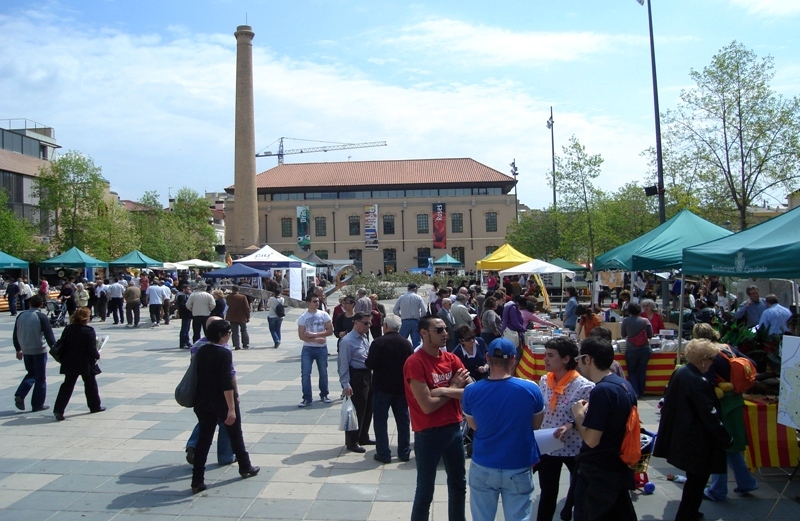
x=431, y=445
x=36, y=377
x=308, y=356
x=636, y=358
x=718, y=489
x=275, y=328
x=225, y=454
x=410, y=326
x=380, y=417
x=183, y=336
x=12, y=305
x=486, y=485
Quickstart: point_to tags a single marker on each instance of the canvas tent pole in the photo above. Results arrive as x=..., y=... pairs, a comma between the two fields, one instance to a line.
x=680, y=318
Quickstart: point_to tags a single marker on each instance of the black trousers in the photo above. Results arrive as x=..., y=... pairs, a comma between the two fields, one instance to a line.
x=692, y=496
x=115, y=309
x=132, y=312
x=549, y=469
x=361, y=383
x=155, y=313
x=208, y=416
x=198, y=325
x=65, y=392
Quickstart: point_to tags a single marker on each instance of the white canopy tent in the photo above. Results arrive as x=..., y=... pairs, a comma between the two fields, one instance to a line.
x=538, y=267
x=299, y=273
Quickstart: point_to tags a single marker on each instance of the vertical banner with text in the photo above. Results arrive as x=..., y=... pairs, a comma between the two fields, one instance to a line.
x=371, y=227
x=439, y=227
x=303, y=228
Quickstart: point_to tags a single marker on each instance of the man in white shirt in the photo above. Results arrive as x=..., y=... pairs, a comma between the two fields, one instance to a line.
x=201, y=304
x=115, y=292
x=410, y=307
x=313, y=327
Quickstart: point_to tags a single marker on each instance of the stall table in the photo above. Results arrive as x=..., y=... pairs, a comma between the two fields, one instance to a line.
x=659, y=369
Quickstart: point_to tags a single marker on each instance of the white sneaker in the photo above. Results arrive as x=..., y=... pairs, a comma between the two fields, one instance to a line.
x=304, y=404
x=326, y=400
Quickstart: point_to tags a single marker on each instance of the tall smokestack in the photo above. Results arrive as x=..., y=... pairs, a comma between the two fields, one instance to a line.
x=244, y=169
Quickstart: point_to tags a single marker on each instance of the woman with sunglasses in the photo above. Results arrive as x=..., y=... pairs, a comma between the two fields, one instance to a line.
x=691, y=435
x=472, y=352
x=217, y=400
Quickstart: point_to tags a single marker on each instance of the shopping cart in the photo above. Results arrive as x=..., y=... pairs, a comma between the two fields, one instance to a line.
x=648, y=440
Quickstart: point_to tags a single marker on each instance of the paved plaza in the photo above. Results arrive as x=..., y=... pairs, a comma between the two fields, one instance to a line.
x=129, y=461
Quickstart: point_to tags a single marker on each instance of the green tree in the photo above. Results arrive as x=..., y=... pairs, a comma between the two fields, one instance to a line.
x=623, y=216
x=113, y=233
x=17, y=236
x=737, y=138
x=576, y=172
x=192, y=216
x=536, y=234
x=71, y=191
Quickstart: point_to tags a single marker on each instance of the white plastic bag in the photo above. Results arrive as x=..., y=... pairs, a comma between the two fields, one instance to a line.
x=348, y=420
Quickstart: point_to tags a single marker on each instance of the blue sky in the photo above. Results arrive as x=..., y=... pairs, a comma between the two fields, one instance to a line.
x=147, y=88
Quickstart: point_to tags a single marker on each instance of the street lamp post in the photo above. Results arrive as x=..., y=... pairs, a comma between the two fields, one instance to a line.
x=550, y=124
x=514, y=172
x=659, y=157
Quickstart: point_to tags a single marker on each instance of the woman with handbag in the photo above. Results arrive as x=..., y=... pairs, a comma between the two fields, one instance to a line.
x=637, y=331
x=79, y=358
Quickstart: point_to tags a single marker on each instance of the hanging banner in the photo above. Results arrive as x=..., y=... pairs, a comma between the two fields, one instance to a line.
x=303, y=229
x=439, y=227
x=371, y=227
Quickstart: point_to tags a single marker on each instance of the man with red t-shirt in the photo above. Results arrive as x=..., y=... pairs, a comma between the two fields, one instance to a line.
x=434, y=383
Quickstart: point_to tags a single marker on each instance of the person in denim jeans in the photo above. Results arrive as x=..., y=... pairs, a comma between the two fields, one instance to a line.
x=274, y=320
x=31, y=337
x=503, y=411
x=637, y=355
x=313, y=327
x=434, y=382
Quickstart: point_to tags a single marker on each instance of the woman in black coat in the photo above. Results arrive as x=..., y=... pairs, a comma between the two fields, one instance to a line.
x=78, y=358
x=691, y=435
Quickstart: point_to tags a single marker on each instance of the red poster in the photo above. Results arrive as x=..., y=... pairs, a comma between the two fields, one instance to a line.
x=439, y=227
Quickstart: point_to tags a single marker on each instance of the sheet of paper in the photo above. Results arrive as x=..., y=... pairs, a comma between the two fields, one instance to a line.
x=546, y=442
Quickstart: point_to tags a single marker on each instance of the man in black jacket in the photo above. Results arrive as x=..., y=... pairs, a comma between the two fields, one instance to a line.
x=387, y=354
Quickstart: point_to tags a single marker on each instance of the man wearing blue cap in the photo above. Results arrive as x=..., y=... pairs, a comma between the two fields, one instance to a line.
x=504, y=411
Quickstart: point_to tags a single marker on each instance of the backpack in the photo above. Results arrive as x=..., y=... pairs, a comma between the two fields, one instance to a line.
x=279, y=309
x=630, y=451
x=743, y=371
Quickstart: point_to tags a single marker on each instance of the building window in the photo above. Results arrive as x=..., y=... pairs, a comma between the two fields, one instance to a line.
x=388, y=224
x=491, y=221
x=286, y=227
x=490, y=249
x=355, y=225
x=321, y=226
x=422, y=223
x=458, y=253
x=389, y=260
x=355, y=256
x=457, y=222
x=322, y=254
x=422, y=257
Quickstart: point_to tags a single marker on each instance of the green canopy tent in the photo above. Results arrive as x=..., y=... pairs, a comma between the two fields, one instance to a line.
x=567, y=265
x=74, y=258
x=296, y=258
x=662, y=247
x=767, y=250
x=135, y=259
x=11, y=262
x=447, y=261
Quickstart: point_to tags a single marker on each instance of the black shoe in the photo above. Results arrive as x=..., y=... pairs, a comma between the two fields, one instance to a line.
x=249, y=473
x=19, y=402
x=198, y=488
x=356, y=448
x=99, y=409
x=366, y=442
x=382, y=460
x=43, y=408
x=190, y=455
x=59, y=416
x=404, y=458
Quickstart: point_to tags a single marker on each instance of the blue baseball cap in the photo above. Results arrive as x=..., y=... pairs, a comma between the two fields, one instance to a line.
x=502, y=348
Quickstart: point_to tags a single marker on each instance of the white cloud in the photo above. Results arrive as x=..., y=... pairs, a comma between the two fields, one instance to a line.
x=770, y=7
x=500, y=47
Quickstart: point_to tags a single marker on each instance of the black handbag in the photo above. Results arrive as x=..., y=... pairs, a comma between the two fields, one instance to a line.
x=55, y=351
x=96, y=369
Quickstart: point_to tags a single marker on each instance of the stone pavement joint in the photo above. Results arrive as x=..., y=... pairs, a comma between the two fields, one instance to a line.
x=129, y=461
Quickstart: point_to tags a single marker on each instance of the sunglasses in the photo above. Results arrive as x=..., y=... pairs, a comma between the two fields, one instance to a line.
x=577, y=358
x=365, y=323
x=439, y=330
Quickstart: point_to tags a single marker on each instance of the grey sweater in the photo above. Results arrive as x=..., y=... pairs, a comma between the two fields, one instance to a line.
x=32, y=333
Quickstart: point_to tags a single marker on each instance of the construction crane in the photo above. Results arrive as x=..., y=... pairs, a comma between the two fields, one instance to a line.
x=336, y=146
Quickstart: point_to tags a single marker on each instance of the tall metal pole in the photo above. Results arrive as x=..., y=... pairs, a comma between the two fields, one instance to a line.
x=662, y=217
x=550, y=124
x=513, y=166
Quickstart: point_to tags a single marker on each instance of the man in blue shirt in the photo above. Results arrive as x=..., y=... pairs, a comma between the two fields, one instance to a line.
x=775, y=317
x=752, y=309
x=503, y=411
